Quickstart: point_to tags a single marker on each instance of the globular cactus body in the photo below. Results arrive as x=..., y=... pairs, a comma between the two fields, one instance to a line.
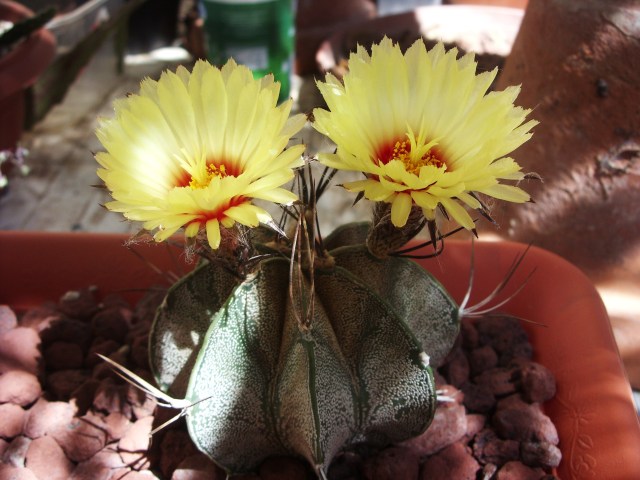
x=262, y=382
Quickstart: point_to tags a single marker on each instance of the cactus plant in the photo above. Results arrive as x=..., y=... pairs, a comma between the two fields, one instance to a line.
x=294, y=344
x=266, y=376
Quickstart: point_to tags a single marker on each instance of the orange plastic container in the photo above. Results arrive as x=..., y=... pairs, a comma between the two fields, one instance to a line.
x=593, y=409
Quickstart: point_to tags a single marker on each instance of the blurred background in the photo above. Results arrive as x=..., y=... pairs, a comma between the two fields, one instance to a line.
x=578, y=64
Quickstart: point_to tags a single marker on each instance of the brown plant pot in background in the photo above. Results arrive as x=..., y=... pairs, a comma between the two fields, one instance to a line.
x=316, y=20
x=578, y=64
x=19, y=69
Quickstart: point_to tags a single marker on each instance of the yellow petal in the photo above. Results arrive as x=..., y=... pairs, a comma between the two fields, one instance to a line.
x=213, y=233
x=182, y=151
x=458, y=133
x=400, y=209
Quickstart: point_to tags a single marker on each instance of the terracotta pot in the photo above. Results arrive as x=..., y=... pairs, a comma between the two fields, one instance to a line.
x=19, y=69
x=315, y=21
x=593, y=409
x=577, y=63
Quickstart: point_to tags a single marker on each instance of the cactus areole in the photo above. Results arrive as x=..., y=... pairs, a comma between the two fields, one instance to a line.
x=303, y=355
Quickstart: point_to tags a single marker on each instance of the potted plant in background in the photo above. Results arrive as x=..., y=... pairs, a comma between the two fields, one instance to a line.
x=26, y=49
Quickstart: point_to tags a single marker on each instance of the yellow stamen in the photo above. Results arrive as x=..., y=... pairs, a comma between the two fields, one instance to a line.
x=402, y=152
x=213, y=170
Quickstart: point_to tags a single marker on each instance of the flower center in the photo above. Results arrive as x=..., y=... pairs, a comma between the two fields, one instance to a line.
x=413, y=160
x=212, y=171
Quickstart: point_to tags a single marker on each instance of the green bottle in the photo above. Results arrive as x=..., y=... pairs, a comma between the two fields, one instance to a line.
x=256, y=33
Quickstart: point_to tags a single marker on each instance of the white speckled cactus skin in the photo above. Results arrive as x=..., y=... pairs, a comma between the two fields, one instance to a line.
x=263, y=383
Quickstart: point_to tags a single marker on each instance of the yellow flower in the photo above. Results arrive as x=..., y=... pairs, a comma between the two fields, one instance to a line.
x=194, y=149
x=423, y=130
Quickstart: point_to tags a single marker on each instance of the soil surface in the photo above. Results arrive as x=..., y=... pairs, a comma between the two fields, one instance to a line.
x=65, y=414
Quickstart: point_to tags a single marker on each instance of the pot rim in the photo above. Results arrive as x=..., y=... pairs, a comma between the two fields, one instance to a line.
x=593, y=410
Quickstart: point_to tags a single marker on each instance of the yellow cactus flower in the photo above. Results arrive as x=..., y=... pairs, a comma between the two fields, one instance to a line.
x=424, y=131
x=193, y=150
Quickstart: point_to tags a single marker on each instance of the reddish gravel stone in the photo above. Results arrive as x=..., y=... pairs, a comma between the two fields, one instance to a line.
x=12, y=418
x=67, y=330
x=478, y=398
x=537, y=383
x=19, y=350
x=500, y=381
x=45, y=417
x=46, y=459
x=448, y=426
x=525, y=425
x=116, y=425
x=280, y=468
x=63, y=356
x=19, y=387
x=91, y=470
x=540, y=454
x=490, y=449
x=80, y=304
x=469, y=333
x=516, y=351
x=199, y=467
x=456, y=368
x=64, y=382
x=518, y=471
x=8, y=319
x=134, y=444
x=8, y=472
x=501, y=332
x=390, y=464
x=481, y=359
x=79, y=439
x=454, y=462
x=111, y=323
x=108, y=457
x=515, y=401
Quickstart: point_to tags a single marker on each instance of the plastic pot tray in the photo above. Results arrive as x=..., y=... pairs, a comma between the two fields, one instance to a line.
x=593, y=409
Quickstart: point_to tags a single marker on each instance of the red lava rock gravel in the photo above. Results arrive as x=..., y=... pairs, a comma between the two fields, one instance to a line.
x=64, y=414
